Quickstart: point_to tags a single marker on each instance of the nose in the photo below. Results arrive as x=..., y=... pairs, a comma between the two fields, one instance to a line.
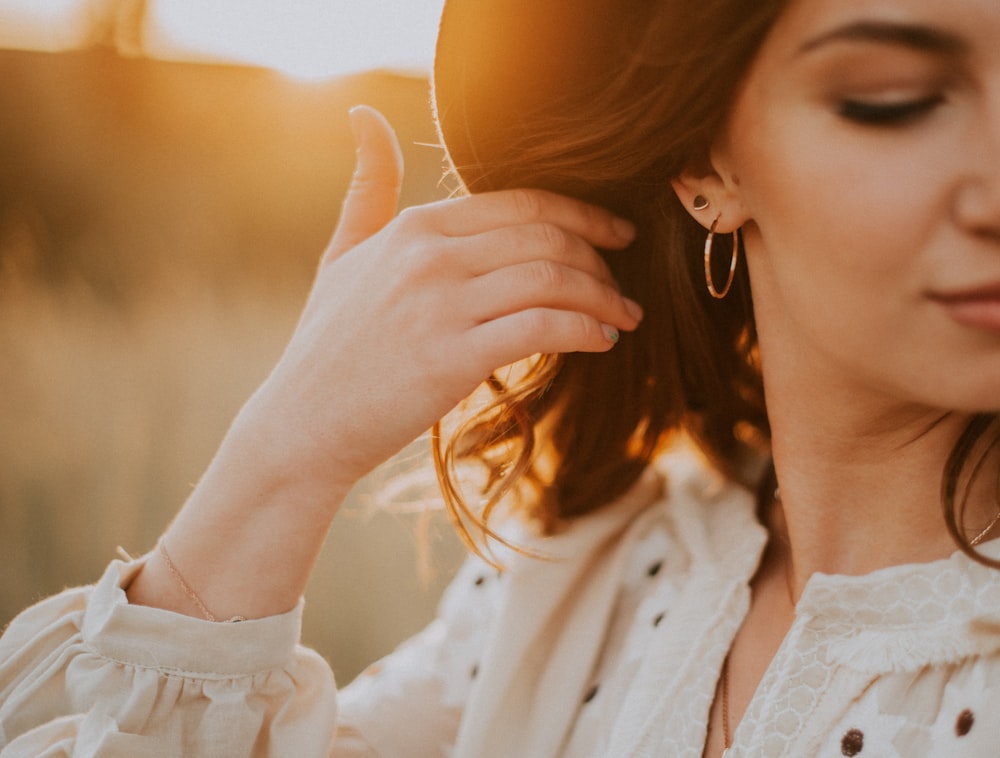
x=977, y=202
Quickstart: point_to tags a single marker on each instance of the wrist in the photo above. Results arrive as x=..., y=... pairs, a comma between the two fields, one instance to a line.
x=247, y=539
x=291, y=452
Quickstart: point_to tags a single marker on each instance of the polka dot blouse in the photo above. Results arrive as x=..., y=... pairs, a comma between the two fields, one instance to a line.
x=611, y=646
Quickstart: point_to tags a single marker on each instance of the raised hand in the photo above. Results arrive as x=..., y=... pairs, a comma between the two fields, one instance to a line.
x=407, y=315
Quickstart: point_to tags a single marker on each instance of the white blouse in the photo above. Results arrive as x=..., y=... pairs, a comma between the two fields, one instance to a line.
x=611, y=646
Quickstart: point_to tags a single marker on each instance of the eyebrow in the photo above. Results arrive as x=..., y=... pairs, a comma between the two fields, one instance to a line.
x=914, y=36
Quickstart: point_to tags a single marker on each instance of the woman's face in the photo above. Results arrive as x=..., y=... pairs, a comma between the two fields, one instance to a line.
x=863, y=153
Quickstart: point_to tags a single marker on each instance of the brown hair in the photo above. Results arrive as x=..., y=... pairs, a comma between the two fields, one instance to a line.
x=576, y=430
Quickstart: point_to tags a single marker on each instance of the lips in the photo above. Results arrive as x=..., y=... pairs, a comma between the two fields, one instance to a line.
x=978, y=307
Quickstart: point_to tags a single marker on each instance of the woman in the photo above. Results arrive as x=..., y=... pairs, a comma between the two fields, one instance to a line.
x=795, y=591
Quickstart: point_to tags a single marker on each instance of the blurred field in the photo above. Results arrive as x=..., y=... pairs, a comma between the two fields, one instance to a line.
x=159, y=224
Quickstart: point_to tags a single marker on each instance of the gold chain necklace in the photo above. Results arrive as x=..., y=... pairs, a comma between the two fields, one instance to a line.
x=725, y=707
x=989, y=527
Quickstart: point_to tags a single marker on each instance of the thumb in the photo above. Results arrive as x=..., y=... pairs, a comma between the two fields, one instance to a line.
x=373, y=196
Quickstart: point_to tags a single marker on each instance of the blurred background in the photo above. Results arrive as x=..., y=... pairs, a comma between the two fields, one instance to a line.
x=170, y=171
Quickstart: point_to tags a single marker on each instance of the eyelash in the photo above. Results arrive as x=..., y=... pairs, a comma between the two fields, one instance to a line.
x=888, y=114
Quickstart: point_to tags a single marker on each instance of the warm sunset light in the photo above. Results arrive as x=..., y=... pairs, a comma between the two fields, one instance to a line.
x=161, y=220
x=46, y=24
x=310, y=39
x=305, y=38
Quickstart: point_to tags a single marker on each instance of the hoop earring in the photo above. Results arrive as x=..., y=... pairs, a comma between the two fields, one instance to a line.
x=708, y=262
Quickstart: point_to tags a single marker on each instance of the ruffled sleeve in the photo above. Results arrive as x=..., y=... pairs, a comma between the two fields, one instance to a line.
x=84, y=673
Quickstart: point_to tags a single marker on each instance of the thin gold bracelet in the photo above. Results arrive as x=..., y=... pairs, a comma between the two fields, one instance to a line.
x=189, y=590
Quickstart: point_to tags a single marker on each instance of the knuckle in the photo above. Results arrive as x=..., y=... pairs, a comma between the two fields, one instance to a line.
x=527, y=204
x=591, y=215
x=606, y=274
x=413, y=253
x=537, y=321
x=408, y=252
x=548, y=275
x=610, y=300
x=425, y=256
x=591, y=218
x=437, y=359
x=412, y=218
x=592, y=335
x=589, y=330
x=555, y=239
x=415, y=249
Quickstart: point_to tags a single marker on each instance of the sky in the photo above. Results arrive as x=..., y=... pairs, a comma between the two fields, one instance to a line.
x=308, y=39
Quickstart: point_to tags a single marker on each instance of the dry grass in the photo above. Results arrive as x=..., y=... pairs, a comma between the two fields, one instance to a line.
x=109, y=418
x=143, y=298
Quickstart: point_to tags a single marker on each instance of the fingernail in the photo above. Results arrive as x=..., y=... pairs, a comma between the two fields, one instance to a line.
x=633, y=308
x=625, y=230
x=611, y=334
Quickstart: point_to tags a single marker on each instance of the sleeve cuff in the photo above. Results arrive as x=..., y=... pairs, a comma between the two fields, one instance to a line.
x=172, y=642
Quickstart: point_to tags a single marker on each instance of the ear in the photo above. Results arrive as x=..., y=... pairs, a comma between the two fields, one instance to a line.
x=710, y=181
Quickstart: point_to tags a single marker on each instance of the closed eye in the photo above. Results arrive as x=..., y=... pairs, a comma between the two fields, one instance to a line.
x=874, y=113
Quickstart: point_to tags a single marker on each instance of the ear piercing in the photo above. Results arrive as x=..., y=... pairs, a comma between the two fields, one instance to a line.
x=719, y=294
x=700, y=203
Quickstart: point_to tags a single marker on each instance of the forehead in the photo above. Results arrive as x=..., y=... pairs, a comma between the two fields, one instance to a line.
x=971, y=21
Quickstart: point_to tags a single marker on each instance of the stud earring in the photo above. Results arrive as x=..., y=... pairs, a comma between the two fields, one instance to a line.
x=700, y=202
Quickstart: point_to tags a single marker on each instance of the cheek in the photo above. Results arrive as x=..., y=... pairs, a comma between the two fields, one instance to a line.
x=836, y=248
x=835, y=213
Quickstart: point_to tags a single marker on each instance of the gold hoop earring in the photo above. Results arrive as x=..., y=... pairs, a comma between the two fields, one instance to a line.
x=708, y=262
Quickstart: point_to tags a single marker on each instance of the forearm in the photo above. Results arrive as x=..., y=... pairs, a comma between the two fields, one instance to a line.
x=248, y=537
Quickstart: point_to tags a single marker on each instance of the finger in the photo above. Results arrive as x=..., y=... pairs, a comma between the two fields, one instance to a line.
x=539, y=330
x=550, y=285
x=475, y=214
x=373, y=196
x=513, y=245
